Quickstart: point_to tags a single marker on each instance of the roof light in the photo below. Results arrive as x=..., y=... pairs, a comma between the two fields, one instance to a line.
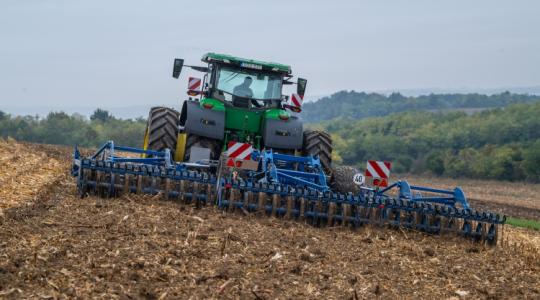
x=208, y=105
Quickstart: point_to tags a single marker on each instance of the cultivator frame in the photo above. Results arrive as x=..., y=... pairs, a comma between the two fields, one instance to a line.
x=292, y=170
x=299, y=194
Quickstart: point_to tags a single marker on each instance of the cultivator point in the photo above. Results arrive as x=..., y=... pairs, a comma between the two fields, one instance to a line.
x=281, y=189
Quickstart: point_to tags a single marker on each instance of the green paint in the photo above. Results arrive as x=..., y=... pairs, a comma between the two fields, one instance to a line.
x=274, y=113
x=244, y=124
x=217, y=105
x=243, y=120
x=209, y=57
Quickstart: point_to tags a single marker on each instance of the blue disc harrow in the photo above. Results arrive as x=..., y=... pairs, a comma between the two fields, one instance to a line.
x=285, y=187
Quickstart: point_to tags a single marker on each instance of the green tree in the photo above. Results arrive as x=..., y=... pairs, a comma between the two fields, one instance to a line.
x=531, y=161
x=435, y=163
x=101, y=115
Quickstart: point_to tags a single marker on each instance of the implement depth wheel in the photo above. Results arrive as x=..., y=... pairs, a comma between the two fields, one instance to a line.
x=342, y=180
x=161, y=129
x=319, y=143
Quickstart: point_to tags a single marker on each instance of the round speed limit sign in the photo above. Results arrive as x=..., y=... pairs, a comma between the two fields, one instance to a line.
x=359, y=179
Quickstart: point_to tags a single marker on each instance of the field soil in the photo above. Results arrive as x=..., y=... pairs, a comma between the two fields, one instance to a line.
x=56, y=245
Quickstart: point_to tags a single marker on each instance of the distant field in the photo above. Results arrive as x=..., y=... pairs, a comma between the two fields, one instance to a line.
x=517, y=199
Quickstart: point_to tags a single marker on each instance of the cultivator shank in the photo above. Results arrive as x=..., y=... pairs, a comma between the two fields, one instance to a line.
x=310, y=200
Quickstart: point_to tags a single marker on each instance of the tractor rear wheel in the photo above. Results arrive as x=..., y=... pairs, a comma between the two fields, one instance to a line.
x=203, y=142
x=161, y=129
x=342, y=180
x=319, y=143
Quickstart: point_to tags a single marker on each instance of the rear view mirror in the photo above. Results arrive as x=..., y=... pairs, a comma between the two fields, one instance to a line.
x=177, y=68
x=301, y=86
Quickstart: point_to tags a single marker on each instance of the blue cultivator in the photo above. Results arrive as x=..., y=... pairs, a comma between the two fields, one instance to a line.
x=284, y=186
x=292, y=170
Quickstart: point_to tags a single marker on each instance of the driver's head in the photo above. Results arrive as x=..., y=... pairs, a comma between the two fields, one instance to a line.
x=247, y=81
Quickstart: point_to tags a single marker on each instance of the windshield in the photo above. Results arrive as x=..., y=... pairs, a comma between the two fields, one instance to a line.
x=249, y=84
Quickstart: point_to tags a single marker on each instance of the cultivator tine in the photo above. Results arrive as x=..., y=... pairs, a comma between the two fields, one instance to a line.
x=167, y=192
x=261, y=203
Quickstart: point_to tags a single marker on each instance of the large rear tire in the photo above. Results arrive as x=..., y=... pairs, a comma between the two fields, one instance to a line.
x=203, y=142
x=319, y=143
x=162, y=129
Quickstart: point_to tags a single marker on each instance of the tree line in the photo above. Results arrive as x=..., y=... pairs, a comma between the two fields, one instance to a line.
x=502, y=143
x=63, y=129
x=359, y=105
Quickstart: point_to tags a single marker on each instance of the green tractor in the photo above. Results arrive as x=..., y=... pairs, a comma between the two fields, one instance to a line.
x=237, y=100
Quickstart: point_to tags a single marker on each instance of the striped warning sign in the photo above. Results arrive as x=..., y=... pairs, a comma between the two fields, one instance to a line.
x=379, y=171
x=296, y=100
x=237, y=152
x=194, y=84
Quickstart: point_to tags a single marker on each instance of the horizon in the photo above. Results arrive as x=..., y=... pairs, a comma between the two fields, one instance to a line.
x=140, y=111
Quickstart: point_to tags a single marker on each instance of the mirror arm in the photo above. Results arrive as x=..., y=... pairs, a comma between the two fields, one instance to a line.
x=198, y=68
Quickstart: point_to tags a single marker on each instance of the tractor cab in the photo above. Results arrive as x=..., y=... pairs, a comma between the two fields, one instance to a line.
x=245, y=83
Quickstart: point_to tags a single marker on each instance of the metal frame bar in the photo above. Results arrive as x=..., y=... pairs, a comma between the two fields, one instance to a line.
x=450, y=198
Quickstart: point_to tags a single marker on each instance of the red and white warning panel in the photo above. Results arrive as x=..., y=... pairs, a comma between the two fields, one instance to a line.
x=194, y=85
x=296, y=100
x=239, y=155
x=379, y=171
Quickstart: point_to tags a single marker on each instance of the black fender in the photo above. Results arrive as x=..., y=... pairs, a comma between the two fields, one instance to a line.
x=283, y=134
x=201, y=121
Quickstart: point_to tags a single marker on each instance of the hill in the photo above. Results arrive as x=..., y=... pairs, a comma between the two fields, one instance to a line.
x=502, y=143
x=360, y=105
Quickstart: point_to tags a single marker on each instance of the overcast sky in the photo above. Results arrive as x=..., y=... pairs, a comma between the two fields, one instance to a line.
x=117, y=53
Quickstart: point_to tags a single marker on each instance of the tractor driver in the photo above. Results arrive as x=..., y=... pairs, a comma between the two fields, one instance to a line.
x=243, y=90
x=242, y=94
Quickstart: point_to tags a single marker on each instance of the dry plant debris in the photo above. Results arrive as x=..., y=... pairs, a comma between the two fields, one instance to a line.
x=60, y=246
x=24, y=171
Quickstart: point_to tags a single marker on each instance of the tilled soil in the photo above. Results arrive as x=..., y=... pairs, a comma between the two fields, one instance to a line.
x=55, y=245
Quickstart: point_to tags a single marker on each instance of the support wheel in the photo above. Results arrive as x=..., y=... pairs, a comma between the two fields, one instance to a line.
x=342, y=180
